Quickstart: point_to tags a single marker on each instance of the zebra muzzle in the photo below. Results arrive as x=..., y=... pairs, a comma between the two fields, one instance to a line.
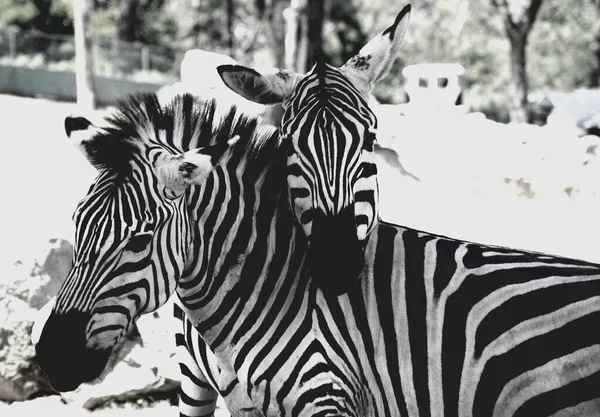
x=62, y=354
x=335, y=257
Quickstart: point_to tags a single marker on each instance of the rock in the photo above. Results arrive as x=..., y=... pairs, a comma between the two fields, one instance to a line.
x=48, y=406
x=26, y=286
x=36, y=278
x=54, y=406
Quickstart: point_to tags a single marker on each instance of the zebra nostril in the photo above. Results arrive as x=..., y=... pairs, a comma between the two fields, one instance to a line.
x=307, y=216
x=362, y=219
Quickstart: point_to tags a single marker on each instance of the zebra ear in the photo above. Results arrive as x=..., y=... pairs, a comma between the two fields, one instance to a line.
x=83, y=134
x=99, y=147
x=375, y=59
x=178, y=172
x=270, y=86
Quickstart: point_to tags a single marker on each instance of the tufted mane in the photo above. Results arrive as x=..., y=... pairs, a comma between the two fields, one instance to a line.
x=185, y=123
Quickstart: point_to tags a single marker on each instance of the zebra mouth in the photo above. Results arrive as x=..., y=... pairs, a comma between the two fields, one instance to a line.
x=335, y=257
x=62, y=354
x=68, y=375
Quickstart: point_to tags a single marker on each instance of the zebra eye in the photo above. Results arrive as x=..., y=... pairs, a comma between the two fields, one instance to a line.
x=138, y=243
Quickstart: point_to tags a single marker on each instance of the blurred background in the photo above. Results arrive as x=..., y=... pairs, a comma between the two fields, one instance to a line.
x=489, y=125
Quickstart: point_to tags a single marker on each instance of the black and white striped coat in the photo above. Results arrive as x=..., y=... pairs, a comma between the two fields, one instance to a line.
x=205, y=206
x=434, y=326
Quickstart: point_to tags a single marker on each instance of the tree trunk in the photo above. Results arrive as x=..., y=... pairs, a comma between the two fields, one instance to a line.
x=229, y=18
x=126, y=33
x=290, y=14
x=595, y=76
x=261, y=7
x=518, y=16
x=519, y=86
x=595, y=73
x=196, y=12
x=126, y=20
x=276, y=36
x=84, y=77
x=42, y=17
x=40, y=23
x=316, y=11
x=296, y=35
x=276, y=32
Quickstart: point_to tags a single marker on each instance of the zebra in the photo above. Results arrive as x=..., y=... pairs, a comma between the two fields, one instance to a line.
x=199, y=389
x=429, y=325
x=133, y=231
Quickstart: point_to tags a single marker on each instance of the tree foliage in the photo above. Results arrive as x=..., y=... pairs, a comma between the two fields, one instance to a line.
x=343, y=31
x=153, y=22
x=48, y=16
x=562, y=46
x=563, y=49
x=518, y=18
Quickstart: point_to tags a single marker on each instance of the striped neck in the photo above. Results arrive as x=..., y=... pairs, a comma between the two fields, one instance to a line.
x=245, y=241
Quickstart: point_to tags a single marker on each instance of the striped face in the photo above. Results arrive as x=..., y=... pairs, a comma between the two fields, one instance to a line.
x=329, y=131
x=119, y=273
x=332, y=176
x=132, y=236
x=119, y=269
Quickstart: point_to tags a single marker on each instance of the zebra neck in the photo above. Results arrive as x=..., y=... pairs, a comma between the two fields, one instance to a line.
x=246, y=248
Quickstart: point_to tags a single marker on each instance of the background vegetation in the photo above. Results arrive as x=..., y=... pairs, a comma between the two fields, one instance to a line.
x=562, y=38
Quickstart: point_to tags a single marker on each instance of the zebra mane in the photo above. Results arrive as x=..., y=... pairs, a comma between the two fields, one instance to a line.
x=185, y=123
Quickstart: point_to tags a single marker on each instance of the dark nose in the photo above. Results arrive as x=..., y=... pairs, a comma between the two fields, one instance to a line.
x=62, y=353
x=335, y=256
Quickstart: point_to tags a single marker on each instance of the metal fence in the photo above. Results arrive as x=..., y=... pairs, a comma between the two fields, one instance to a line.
x=112, y=58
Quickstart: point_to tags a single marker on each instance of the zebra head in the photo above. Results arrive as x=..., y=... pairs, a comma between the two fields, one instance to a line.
x=132, y=234
x=330, y=132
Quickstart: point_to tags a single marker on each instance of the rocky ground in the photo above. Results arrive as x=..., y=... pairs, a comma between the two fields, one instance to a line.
x=519, y=186
x=53, y=406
